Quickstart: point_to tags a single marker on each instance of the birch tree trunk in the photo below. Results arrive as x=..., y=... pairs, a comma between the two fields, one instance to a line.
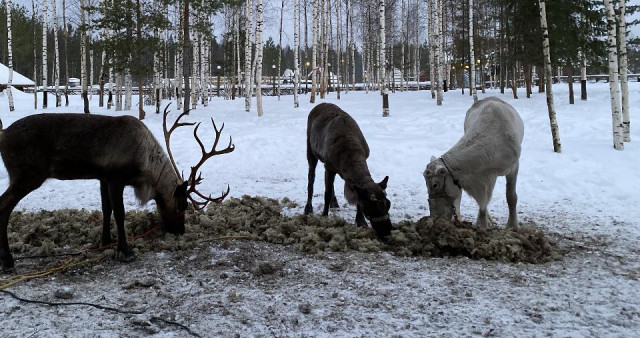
x=614, y=88
x=156, y=64
x=338, y=77
x=472, y=56
x=186, y=55
x=279, y=71
x=432, y=47
x=44, y=53
x=236, y=52
x=83, y=55
x=555, y=133
x=352, y=46
x=56, y=79
x=404, y=20
x=247, y=55
x=35, y=56
x=9, y=56
x=314, y=52
x=624, y=87
x=259, y=53
x=141, y=113
x=103, y=60
x=128, y=90
x=383, y=61
x=437, y=63
x=179, y=54
x=296, y=48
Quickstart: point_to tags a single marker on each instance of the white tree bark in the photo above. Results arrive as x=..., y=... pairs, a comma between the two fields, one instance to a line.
x=278, y=72
x=179, y=57
x=622, y=39
x=583, y=78
x=472, y=55
x=296, y=48
x=403, y=42
x=383, y=61
x=56, y=79
x=352, y=46
x=314, y=52
x=156, y=64
x=555, y=132
x=259, y=53
x=44, y=53
x=128, y=89
x=247, y=54
x=432, y=46
x=9, y=57
x=437, y=62
x=614, y=88
x=35, y=57
x=338, y=48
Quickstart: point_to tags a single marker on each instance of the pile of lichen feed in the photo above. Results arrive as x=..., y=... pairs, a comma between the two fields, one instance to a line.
x=259, y=218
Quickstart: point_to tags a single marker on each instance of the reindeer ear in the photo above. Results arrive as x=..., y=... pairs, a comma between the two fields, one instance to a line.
x=373, y=198
x=441, y=171
x=383, y=183
x=433, y=158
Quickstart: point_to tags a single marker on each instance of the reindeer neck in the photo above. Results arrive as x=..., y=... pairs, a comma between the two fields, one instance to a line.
x=357, y=172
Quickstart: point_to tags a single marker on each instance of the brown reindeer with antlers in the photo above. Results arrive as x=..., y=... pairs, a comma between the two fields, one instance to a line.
x=118, y=151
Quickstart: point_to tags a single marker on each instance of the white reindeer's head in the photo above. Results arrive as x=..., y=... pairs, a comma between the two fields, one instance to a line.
x=440, y=182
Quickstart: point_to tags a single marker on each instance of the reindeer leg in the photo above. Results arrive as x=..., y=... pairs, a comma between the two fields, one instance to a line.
x=360, y=220
x=17, y=191
x=483, y=215
x=115, y=196
x=106, y=214
x=313, y=162
x=329, y=195
x=512, y=198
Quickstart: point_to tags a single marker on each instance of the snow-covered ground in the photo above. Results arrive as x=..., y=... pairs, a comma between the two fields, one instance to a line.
x=588, y=193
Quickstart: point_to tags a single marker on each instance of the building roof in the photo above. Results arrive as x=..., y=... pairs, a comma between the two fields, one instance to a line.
x=18, y=79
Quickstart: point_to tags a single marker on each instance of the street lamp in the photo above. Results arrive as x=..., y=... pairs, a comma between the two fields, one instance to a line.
x=306, y=78
x=274, y=79
x=218, y=68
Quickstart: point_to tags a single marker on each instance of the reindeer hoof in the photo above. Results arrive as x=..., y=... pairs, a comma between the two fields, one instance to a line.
x=308, y=209
x=127, y=257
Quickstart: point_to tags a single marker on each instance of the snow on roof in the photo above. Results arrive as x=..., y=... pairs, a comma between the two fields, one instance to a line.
x=18, y=79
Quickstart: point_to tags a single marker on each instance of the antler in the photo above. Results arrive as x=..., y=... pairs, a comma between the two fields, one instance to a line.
x=167, y=134
x=195, y=178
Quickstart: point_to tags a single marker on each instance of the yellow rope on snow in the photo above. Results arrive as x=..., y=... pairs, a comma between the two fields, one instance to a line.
x=66, y=264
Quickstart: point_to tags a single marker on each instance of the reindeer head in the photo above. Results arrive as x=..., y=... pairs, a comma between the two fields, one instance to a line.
x=374, y=204
x=173, y=212
x=441, y=184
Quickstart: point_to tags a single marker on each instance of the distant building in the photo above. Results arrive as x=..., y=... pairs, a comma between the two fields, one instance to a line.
x=19, y=81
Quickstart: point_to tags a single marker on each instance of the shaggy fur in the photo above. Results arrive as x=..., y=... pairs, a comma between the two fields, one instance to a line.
x=490, y=147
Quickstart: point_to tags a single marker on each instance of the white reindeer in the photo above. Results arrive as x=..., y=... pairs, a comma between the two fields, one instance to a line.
x=490, y=147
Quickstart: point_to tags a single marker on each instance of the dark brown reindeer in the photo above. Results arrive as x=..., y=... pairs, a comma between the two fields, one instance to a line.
x=334, y=138
x=118, y=151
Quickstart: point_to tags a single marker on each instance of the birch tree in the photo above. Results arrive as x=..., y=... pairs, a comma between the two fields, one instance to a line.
x=9, y=56
x=338, y=47
x=35, y=55
x=624, y=87
x=383, y=61
x=314, y=47
x=472, y=56
x=179, y=55
x=278, y=72
x=44, y=53
x=65, y=31
x=437, y=62
x=432, y=45
x=555, y=133
x=83, y=55
x=296, y=48
x=259, y=53
x=614, y=88
x=247, y=54
x=56, y=77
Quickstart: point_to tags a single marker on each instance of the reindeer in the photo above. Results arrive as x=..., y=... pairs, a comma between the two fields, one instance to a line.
x=490, y=147
x=334, y=138
x=118, y=151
